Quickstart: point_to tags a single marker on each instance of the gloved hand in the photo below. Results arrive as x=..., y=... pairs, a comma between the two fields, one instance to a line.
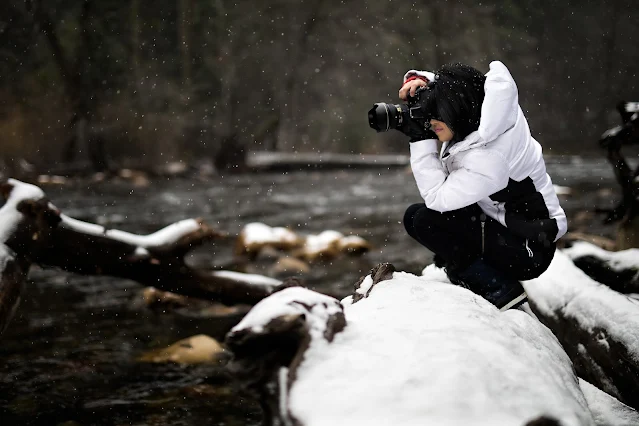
x=415, y=131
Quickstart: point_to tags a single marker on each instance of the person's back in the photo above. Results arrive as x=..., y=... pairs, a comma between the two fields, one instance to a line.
x=529, y=204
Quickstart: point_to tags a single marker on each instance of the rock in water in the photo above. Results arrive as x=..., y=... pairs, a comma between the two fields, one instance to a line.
x=197, y=349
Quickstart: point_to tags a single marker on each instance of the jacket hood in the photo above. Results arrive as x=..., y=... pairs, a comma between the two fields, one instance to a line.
x=501, y=102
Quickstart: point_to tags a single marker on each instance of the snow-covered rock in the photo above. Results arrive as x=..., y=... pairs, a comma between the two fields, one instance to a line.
x=257, y=237
x=411, y=351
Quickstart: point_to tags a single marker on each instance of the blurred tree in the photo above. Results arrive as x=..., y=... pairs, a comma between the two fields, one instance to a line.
x=188, y=79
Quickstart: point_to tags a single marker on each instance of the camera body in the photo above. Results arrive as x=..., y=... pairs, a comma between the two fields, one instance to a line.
x=411, y=117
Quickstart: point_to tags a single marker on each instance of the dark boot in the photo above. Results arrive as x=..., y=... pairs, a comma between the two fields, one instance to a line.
x=491, y=284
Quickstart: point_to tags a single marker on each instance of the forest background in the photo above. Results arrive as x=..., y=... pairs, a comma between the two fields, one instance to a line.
x=153, y=82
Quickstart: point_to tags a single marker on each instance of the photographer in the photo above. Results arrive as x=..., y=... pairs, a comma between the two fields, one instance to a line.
x=490, y=213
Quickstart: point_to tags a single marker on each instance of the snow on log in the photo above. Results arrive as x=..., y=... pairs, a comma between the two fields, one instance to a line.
x=598, y=327
x=411, y=350
x=254, y=237
x=606, y=409
x=618, y=270
x=269, y=344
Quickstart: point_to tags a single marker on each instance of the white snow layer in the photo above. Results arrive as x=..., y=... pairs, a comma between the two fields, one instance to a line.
x=10, y=217
x=251, y=279
x=164, y=236
x=617, y=260
x=259, y=233
x=322, y=241
x=606, y=409
x=421, y=351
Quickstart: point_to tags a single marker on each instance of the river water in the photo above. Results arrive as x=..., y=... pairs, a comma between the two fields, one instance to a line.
x=69, y=356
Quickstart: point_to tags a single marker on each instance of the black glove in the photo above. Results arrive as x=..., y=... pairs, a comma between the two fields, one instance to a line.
x=415, y=131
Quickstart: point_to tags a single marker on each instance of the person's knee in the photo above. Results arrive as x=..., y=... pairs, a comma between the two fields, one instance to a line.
x=409, y=216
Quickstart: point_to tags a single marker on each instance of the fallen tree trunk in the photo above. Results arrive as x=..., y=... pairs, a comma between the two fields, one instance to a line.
x=598, y=327
x=155, y=260
x=403, y=350
x=34, y=231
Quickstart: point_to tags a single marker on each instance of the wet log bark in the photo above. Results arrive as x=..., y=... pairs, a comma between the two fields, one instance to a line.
x=13, y=273
x=32, y=230
x=266, y=355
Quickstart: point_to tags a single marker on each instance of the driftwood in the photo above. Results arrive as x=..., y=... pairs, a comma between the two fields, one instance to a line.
x=32, y=230
x=627, y=211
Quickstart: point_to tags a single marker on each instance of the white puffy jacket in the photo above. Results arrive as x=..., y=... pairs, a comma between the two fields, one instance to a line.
x=499, y=166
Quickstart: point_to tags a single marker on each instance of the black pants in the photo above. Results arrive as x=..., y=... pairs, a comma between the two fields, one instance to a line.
x=456, y=238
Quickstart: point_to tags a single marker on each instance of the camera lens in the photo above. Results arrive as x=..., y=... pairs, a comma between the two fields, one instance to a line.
x=383, y=117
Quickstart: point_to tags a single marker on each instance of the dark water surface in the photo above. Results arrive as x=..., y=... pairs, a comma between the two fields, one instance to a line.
x=69, y=356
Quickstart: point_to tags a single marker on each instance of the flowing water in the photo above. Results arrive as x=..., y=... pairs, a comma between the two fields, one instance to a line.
x=69, y=356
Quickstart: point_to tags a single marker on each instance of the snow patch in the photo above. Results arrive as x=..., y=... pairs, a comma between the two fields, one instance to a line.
x=259, y=233
x=289, y=302
x=10, y=217
x=606, y=409
x=562, y=190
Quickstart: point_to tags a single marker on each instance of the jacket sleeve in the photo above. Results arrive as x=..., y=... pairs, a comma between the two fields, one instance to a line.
x=426, y=74
x=481, y=173
x=501, y=102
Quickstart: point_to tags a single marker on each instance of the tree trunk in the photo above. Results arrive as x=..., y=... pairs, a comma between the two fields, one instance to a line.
x=89, y=145
x=289, y=137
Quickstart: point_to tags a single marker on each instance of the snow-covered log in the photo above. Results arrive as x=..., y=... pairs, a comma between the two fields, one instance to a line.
x=598, y=327
x=22, y=215
x=411, y=351
x=618, y=270
x=155, y=260
x=32, y=230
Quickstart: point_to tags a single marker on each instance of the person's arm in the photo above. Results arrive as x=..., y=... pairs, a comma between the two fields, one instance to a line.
x=482, y=173
x=501, y=102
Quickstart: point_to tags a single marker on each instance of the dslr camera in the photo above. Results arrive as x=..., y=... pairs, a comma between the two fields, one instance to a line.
x=412, y=118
